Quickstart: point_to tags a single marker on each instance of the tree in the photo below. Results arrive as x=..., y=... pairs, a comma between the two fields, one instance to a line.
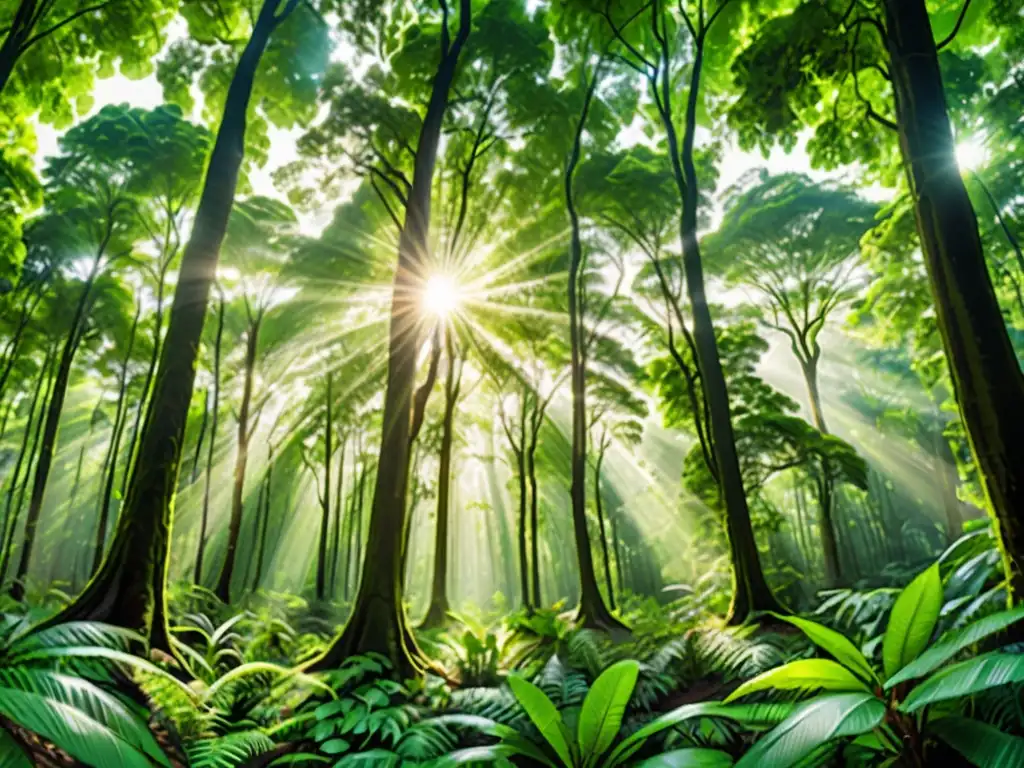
x=378, y=622
x=128, y=590
x=847, y=52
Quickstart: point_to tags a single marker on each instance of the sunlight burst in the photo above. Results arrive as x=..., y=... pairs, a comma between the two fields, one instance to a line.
x=441, y=296
x=971, y=155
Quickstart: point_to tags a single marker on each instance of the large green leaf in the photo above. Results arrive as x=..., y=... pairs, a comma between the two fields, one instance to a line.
x=635, y=741
x=815, y=723
x=912, y=620
x=11, y=755
x=83, y=737
x=830, y=641
x=983, y=745
x=804, y=675
x=93, y=702
x=955, y=642
x=604, y=708
x=965, y=678
x=693, y=757
x=544, y=715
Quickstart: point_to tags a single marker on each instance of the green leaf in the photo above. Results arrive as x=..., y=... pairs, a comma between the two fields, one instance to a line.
x=11, y=755
x=965, y=678
x=912, y=620
x=335, y=746
x=804, y=674
x=815, y=723
x=955, y=642
x=66, y=712
x=830, y=641
x=635, y=741
x=983, y=745
x=544, y=715
x=604, y=708
x=689, y=758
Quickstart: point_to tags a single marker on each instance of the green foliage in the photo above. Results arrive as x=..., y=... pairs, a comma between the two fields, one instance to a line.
x=45, y=689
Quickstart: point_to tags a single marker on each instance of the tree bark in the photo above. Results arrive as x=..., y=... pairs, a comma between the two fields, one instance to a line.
x=437, y=611
x=751, y=592
x=223, y=589
x=19, y=32
x=205, y=519
x=601, y=529
x=986, y=376
x=49, y=438
x=12, y=511
x=378, y=621
x=129, y=588
x=593, y=612
x=112, y=451
x=325, y=503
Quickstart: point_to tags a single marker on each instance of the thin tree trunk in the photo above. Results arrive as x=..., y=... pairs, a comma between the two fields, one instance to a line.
x=257, y=522
x=129, y=589
x=112, y=451
x=325, y=501
x=205, y=519
x=264, y=516
x=144, y=398
x=223, y=588
x=437, y=610
x=378, y=621
x=531, y=474
x=751, y=592
x=53, y=411
x=339, y=499
x=199, y=440
x=11, y=512
x=986, y=375
x=600, y=525
x=18, y=33
x=593, y=612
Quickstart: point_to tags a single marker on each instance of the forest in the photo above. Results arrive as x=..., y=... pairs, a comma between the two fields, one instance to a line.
x=579, y=383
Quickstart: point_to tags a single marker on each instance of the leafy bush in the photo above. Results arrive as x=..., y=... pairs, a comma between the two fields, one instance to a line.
x=917, y=699
x=45, y=689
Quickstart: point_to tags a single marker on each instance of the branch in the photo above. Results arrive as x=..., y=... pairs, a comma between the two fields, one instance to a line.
x=956, y=28
x=77, y=14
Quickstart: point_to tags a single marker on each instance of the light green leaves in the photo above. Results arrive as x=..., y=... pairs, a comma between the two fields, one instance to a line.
x=803, y=675
x=830, y=641
x=543, y=713
x=689, y=758
x=603, y=709
x=912, y=621
x=817, y=722
x=942, y=652
x=966, y=678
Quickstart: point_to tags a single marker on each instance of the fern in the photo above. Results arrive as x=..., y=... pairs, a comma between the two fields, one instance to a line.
x=228, y=751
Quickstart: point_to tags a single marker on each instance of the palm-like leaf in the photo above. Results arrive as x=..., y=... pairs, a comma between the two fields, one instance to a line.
x=965, y=678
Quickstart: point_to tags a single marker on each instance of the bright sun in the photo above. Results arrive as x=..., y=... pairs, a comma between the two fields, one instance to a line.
x=971, y=155
x=441, y=296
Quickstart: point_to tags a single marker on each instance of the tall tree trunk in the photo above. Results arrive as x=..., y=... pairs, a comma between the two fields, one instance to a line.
x=592, y=613
x=223, y=588
x=378, y=621
x=205, y=519
x=263, y=516
x=128, y=590
x=437, y=610
x=357, y=479
x=339, y=500
x=613, y=519
x=112, y=451
x=199, y=440
x=600, y=524
x=531, y=474
x=144, y=396
x=524, y=561
x=986, y=376
x=11, y=512
x=751, y=592
x=325, y=501
x=53, y=411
